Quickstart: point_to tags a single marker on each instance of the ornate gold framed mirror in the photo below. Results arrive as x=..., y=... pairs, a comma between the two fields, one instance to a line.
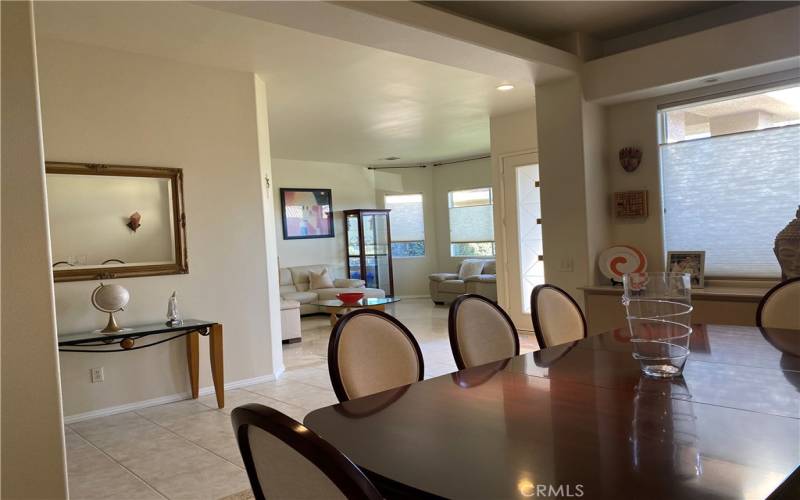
x=115, y=221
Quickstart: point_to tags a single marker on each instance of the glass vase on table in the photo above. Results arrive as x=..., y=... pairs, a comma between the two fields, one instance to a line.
x=658, y=310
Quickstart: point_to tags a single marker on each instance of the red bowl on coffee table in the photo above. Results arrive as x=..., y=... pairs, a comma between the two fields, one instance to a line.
x=350, y=297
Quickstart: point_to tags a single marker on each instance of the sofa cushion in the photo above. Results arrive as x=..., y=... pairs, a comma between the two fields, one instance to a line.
x=482, y=278
x=330, y=293
x=348, y=283
x=285, y=277
x=319, y=281
x=470, y=267
x=289, y=304
x=452, y=286
x=302, y=297
x=490, y=267
x=300, y=275
x=442, y=276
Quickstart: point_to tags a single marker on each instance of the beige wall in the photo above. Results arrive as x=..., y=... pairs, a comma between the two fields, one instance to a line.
x=559, y=114
x=569, y=135
x=635, y=124
x=33, y=462
x=352, y=186
x=452, y=177
x=411, y=273
x=598, y=198
x=102, y=105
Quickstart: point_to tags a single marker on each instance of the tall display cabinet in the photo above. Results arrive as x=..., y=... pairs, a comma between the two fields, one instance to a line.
x=369, y=248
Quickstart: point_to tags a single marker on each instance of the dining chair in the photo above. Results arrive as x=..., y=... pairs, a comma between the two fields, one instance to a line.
x=780, y=307
x=370, y=351
x=480, y=331
x=284, y=459
x=557, y=318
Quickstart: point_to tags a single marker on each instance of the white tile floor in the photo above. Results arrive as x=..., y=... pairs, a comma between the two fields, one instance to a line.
x=187, y=449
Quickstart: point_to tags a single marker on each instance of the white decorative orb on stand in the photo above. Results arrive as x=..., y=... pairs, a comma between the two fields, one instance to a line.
x=110, y=299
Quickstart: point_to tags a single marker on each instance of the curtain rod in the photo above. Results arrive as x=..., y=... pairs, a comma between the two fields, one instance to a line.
x=450, y=162
x=399, y=166
x=435, y=164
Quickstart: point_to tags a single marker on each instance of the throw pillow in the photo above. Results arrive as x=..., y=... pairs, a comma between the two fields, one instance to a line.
x=320, y=280
x=470, y=268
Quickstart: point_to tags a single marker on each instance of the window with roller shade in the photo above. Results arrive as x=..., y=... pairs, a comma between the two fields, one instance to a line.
x=731, y=178
x=471, y=224
x=408, y=224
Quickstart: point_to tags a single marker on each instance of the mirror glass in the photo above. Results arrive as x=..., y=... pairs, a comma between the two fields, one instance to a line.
x=93, y=221
x=104, y=224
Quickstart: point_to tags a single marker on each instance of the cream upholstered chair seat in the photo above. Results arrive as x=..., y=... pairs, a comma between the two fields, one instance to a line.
x=557, y=318
x=480, y=332
x=369, y=352
x=780, y=307
x=284, y=459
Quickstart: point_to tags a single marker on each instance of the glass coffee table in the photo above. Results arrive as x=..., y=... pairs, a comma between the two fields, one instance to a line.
x=337, y=308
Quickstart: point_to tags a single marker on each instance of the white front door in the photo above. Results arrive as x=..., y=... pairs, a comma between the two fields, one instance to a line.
x=522, y=223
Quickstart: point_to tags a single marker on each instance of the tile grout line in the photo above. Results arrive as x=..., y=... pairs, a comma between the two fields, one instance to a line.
x=137, y=476
x=192, y=442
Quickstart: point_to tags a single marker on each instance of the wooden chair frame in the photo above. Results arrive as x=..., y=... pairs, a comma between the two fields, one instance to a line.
x=337, y=467
x=767, y=295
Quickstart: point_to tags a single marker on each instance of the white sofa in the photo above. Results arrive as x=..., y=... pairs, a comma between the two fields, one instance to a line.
x=294, y=285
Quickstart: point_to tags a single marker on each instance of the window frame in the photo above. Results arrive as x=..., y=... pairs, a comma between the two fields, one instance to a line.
x=423, y=241
x=661, y=140
x=449, y=228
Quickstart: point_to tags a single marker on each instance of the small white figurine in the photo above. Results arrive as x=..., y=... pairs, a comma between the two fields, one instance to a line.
x=173, y=315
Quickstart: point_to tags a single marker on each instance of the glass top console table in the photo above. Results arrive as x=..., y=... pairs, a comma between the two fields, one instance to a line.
x=128, y=339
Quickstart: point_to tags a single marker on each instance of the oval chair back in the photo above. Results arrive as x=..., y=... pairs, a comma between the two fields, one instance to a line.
x=480, y=332
x=370, y=351
x=780, y=307
x=557, y=318
x=284, y=459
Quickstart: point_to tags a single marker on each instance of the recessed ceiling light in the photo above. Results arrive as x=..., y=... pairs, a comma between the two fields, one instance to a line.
x=505, y=87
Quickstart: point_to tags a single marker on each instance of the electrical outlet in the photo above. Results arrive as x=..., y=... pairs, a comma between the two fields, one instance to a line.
x=97, y=375
x=566, y=265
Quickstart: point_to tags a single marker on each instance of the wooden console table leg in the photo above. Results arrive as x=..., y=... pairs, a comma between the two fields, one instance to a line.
x=217, y=371
x=193, y=358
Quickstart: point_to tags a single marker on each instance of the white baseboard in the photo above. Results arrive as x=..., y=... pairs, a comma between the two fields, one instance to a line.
x=172, y=398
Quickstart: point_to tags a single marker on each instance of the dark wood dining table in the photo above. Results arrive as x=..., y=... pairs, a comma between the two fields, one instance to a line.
x=580, y=420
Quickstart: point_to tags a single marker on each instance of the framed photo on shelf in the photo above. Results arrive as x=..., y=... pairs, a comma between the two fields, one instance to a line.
x=692, y=262
x=306, y=213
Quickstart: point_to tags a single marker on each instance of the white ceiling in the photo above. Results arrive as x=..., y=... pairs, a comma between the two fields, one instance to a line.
x=329, y=100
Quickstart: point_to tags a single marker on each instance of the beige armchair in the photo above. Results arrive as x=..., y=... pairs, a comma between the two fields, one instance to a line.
x=478, y=276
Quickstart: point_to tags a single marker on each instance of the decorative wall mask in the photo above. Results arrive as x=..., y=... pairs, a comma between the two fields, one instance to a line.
x=787, y=248
x=134, y=221
x=630, y=158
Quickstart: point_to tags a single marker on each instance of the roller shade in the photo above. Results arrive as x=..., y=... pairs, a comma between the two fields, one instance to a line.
x=730, y=195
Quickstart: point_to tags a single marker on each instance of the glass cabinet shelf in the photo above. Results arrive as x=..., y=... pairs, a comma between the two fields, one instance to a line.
x=369, y=248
